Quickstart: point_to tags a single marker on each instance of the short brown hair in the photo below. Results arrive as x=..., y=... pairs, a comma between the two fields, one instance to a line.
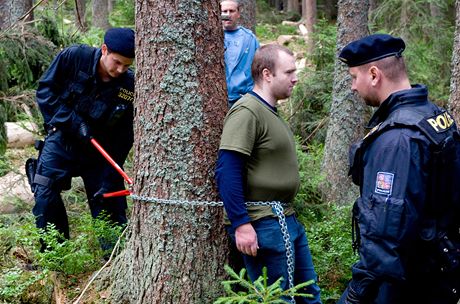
x=265, y=58
x=394, y=68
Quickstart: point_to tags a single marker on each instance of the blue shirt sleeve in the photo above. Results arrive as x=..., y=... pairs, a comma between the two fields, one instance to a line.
x=229, y=177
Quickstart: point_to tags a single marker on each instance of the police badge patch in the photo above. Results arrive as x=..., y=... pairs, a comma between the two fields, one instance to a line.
x=384, y=183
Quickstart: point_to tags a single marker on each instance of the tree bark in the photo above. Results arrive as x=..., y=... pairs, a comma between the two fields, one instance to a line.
x=309, y=17
x=293, y=6
x=248, y=14
x=12, y=10
x=176, y=253
x=373, y=4
x=330, y=9
x=454, y=98
x=101, y=14
x=80, y=15
x=347, y=116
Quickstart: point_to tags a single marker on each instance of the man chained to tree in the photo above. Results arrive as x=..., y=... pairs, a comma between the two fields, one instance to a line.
x=257, y=162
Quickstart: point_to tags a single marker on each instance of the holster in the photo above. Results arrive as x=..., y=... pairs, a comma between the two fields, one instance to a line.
x=31, y=168
x=31, y=165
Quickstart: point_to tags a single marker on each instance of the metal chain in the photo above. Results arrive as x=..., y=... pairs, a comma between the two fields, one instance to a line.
x=276, y=206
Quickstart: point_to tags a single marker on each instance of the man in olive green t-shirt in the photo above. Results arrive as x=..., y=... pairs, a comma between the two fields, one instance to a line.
x=257, y=162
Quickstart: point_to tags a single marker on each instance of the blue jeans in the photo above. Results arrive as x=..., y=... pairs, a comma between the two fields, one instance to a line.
x=272, y=254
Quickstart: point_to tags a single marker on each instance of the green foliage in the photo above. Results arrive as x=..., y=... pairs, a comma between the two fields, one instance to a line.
x=81, y=253
x=123, y=14
x=428, y=39
x=258, y=291
x=66, y=256
x=93, y=37
x=308, y=202
x=5, y=164
x=312, y=95
x=269, y=15
x=14, y=282
x=26, y=55
x=330, y=244
x=270, y=32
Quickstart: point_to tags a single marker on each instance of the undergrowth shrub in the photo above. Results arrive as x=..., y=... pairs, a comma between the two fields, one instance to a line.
x=240, y=290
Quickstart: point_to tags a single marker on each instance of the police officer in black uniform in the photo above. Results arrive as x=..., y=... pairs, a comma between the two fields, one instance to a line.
x=86, y=93
x=394, y=217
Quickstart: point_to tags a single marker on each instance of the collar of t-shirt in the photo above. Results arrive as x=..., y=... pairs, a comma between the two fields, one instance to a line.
x=274, y=109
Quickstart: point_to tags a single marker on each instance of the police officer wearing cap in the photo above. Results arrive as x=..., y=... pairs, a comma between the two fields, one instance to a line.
x=86, y=93
x=393, y=219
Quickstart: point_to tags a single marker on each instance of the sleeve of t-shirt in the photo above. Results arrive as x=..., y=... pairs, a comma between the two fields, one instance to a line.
x=240, y=131
x=229, y=178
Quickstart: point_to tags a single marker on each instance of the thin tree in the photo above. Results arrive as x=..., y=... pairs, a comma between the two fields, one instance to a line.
x=80, y=15
x=454, y=98
x=248, y=14
x=100, y=14
x=175, y=252
x=309, y=19
x=347, y=116
x=293, y=6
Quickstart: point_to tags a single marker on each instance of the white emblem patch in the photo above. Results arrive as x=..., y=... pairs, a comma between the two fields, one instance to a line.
x=384, y=183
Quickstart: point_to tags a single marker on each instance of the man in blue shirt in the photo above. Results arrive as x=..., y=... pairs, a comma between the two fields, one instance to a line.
x=240, y=45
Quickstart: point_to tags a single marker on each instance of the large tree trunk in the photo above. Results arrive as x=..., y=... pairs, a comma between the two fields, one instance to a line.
x=248, y=14
x=176, y=253
x=454, y=99
x=347, y=116
x=101, y=14
x=12, y=10
x=80, y=15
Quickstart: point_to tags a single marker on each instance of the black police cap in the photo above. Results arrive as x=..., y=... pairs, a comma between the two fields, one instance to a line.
x=371, y=48
x=121, y=41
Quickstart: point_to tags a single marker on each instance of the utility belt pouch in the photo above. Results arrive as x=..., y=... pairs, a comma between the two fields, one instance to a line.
x=31, y=168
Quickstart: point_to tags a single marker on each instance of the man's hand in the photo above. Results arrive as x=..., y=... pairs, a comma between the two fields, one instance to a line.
x=246, y=239
x=84, y=132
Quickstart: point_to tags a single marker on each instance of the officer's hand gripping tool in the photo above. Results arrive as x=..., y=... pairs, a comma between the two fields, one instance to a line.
x=116, y=167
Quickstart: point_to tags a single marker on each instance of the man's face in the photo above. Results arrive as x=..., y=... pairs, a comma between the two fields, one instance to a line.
x=362, y=84
x=284, y=77
x=230, y=9
x=114, y=64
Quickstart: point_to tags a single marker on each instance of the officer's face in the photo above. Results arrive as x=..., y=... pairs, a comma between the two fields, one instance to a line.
x=284, y=78
x=362, y=84
x=230, y=9
x=113, y=64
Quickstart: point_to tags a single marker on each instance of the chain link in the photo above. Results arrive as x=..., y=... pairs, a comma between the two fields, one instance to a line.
x=276, y=206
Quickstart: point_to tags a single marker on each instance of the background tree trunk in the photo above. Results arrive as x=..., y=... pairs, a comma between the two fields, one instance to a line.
x=330, y=9
x=248, y=14
x=101, y=14
x=80, y=15
x=454, y=98
x=347, y=116
x=12, y=10
x=373, y=4
x=309, y=17
x=176, y=253
x=293, y=6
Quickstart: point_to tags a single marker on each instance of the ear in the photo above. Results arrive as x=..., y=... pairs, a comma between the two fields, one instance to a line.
x=104, y=49
x=375, y=75
x=266, y=75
